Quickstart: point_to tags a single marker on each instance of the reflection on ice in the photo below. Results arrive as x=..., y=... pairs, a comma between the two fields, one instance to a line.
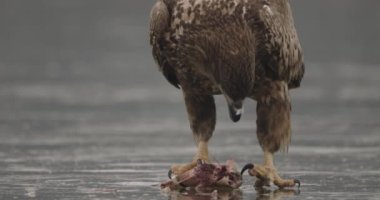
x=213, y=194
x=205, y=194
x=265, y=194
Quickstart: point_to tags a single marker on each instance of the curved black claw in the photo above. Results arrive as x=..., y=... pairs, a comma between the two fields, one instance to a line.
x=296, y=181
x=247, y=166
x=170, y=173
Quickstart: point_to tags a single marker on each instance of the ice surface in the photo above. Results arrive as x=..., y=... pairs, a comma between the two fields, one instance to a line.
x=86, y=115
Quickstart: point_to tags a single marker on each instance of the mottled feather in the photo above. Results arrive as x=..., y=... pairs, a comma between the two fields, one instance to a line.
x=238, y=48
x=159, y=25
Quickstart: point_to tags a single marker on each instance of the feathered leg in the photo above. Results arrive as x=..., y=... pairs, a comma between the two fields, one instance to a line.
x=273, y=131
x=202, y=116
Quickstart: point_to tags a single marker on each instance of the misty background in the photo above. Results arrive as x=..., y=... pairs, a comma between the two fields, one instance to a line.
x=108, y=40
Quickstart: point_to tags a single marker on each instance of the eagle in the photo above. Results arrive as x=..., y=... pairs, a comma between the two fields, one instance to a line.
x=241, y=49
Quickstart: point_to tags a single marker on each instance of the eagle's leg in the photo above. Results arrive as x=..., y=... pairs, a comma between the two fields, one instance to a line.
x=273, y=131
x=267, y=174
x=202, y=116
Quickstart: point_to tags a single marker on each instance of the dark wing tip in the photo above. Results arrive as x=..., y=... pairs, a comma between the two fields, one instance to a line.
x=171, y=76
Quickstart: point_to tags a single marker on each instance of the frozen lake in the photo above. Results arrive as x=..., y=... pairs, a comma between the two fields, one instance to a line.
x=85, y=114
x=88, y=140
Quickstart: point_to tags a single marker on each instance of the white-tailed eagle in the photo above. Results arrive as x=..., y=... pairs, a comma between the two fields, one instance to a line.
x=239, y=49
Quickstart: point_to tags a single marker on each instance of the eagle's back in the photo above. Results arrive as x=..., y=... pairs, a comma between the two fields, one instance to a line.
x=211, y=39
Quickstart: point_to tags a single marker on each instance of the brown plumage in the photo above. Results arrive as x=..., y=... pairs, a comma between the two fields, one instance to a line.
x=238, y=48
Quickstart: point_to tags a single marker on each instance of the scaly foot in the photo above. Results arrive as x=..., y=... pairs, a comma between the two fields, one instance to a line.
x=202, y=155
x=179, y=169
x=267, y=174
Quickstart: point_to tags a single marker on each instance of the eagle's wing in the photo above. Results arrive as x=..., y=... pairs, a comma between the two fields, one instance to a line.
x=159, y=25
x=280, y=48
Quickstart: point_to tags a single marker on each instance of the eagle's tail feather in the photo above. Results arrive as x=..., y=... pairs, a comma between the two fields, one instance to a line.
x=235, y=111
